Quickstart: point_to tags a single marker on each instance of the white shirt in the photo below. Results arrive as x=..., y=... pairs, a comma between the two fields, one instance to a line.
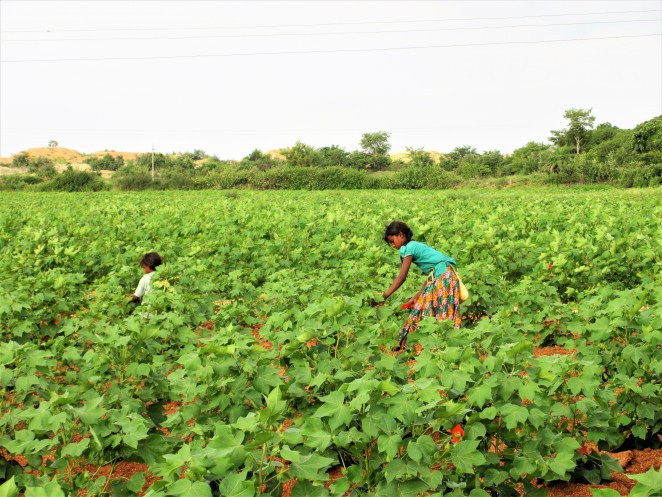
x=144, y=285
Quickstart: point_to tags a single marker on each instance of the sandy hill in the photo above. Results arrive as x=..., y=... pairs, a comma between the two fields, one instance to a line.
x=403, y=156
x=68, y=155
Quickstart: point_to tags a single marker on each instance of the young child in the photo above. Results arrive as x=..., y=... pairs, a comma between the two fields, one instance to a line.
x=149, y=262
x=440, y=294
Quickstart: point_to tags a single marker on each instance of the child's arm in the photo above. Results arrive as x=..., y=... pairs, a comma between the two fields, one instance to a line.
x=137, y=296
x=400, y=278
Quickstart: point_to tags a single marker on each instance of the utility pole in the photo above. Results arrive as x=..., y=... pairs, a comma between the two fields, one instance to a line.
x=152, y=162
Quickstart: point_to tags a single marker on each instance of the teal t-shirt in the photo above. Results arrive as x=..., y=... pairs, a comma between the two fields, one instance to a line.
x=427, y=258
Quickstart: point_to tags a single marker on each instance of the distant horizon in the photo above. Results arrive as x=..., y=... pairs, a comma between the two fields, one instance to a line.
x=277, y=150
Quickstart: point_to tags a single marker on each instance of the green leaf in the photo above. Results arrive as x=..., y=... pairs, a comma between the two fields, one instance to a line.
x=388, y=387
x=188, y=488
x=465, y=456
x=489, y=413
x=480, y=395
x=307, y=489
x=235, y=485
x=75, y=449
x=50, y=489
x=562, y=464
x=514, y=415
x=605, y=492
x=8, y=488
x=316, y=435
x=335, y=409
x=311, y=467
x=649, y=484
x=389, y=444
x=274, y=408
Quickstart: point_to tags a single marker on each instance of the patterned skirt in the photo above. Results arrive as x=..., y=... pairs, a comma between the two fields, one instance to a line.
x=440, y=298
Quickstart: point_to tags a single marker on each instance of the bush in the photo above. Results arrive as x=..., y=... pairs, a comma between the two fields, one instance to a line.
x=75, y=181
x=177, y=180
x=107, y=162
x=136, y=181
x=229, y=178
x=17, y=182
x=640, y=176
x=428, y=178
x=21, y=160
x=43, y=166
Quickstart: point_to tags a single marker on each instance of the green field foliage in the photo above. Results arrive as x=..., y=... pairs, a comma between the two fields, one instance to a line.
x=260, y=331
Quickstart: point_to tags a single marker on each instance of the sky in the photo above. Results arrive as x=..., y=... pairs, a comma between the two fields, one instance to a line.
x=229, y=77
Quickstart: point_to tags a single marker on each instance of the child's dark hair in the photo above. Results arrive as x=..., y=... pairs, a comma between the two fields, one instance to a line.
x=151, y=260
x=397, y=227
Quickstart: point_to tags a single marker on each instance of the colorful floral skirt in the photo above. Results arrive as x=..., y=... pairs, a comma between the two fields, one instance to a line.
x=440, y=298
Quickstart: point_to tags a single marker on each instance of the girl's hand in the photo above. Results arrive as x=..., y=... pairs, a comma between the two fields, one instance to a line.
x=410, y=303
x=377, y=301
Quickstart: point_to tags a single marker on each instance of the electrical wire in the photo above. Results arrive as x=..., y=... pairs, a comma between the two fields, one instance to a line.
x=269, y=35
x=348, y=50
x=332, y=23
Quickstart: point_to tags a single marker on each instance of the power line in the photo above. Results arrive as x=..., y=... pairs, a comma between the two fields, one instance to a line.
x=268, y=35
x=348, y=50
x=331, y=23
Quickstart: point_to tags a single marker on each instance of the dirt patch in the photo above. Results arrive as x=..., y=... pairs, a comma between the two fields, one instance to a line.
x=555, y=350
x=12, y=170
x=633, y=462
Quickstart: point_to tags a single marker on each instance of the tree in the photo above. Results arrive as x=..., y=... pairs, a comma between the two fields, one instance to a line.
x=579, y=127
x=647, y=136
x=52, y=144
x=333, y=156
x=376, y=145
x=300, y=155
x=457, y=157
x=258, y=159
x=419, y=158
x=107, y=162
x=530, y=158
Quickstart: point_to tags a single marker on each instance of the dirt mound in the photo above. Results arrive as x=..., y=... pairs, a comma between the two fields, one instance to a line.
x=404, y=156
x=70, y=156
x=275, y=154
x=113, y=153
x=55, y=153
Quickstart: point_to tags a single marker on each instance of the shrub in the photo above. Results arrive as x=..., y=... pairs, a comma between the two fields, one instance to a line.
x=429, y=178
x=42, y=165
x=21, y=160
x=75, y=181
x=16, y=182
x=137, y=181
x=107, y=162
x=640, y=176
x=229, y=178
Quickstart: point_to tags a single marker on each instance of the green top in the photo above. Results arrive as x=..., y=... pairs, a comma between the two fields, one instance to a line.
x=426, y=258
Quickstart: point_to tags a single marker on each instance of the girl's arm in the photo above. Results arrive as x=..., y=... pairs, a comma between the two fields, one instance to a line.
x=400, y=278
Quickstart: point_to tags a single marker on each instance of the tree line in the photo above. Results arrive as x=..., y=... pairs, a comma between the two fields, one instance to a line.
x=579, y=153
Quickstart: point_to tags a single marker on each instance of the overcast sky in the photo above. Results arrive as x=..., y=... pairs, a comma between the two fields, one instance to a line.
x=228, y=77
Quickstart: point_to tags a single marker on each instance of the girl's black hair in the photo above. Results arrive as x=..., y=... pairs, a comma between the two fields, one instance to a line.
x=397, y=227
x=151, y=260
